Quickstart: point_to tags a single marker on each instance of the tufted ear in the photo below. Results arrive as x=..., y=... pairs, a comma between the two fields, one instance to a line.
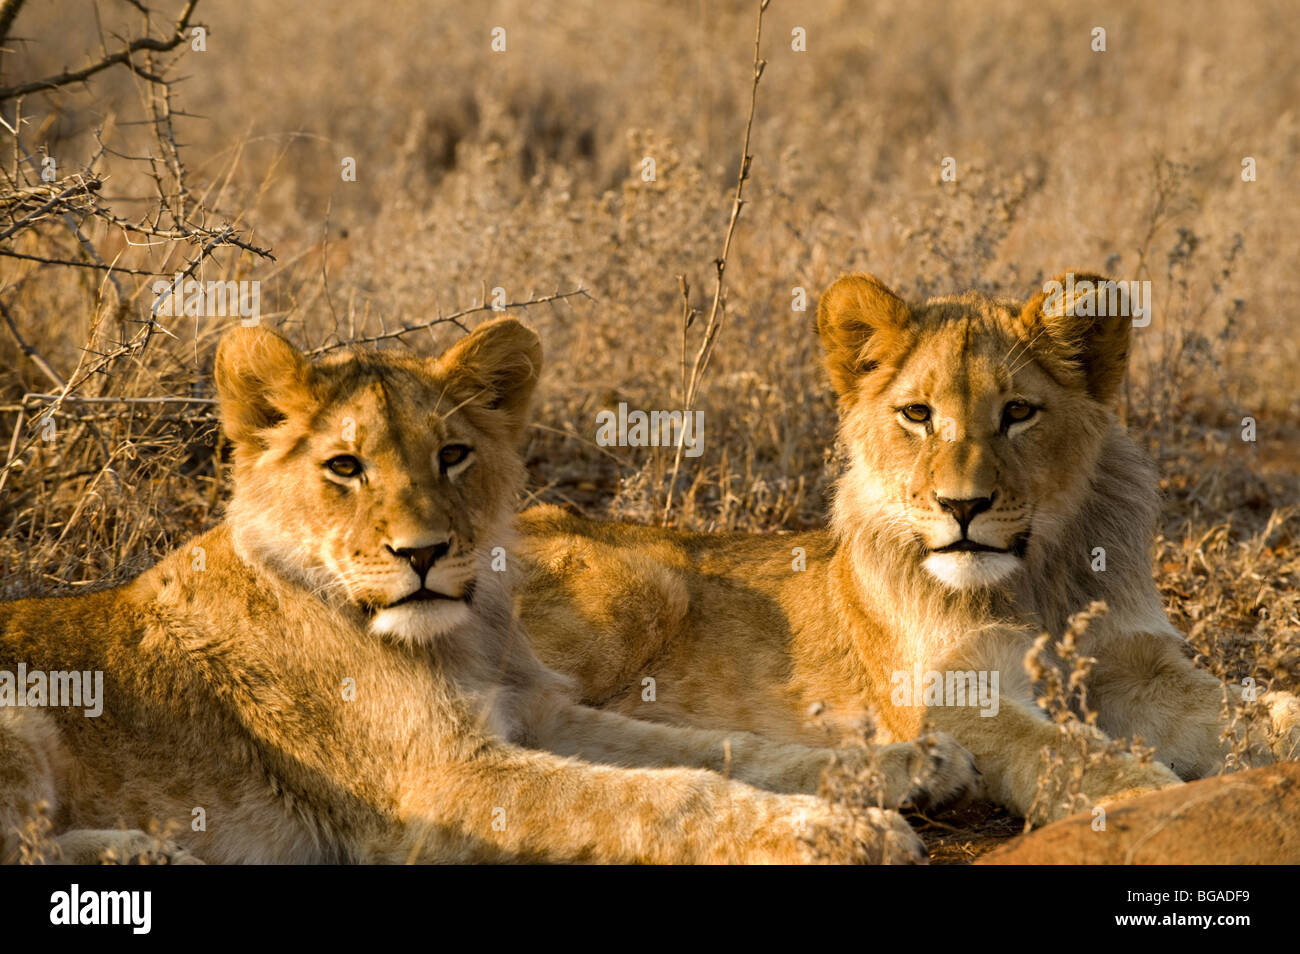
x=502, y=360
x=260, y=378
x=856, y=318
x=1081, y=322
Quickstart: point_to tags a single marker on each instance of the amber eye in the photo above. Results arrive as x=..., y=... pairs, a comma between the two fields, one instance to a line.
x=1017, y=411
x=344, y=465
x=916, y=413
x=453, y=454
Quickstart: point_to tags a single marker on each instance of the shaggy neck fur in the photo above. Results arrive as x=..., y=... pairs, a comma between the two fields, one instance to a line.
x=931, y=619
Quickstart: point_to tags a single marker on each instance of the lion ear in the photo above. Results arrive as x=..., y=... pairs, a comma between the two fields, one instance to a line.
x=856, y=316
x=260, y=377
x=1082, y=322
x=502, y=361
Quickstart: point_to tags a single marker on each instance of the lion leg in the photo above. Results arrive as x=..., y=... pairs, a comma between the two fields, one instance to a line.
x=558, y=725
x=910, y=773
x=926, y=773
x=1010, y=738
x=29, y=753
x=1009, y=750
x=504, y=803
x=1144, y=684
x=28, y=800
x=95, y=846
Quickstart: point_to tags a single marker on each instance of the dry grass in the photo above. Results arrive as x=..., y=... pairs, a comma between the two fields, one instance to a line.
x=522, y=170
x=1061, y=672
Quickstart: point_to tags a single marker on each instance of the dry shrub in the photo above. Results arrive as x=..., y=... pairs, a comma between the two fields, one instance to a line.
x=1060, y=675
x=36, y=844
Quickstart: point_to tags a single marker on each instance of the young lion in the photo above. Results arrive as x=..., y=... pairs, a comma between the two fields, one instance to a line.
x=335, y=673
x=987, y=472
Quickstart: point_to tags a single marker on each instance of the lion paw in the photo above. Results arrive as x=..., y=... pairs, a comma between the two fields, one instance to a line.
x=948, y=773
x=834, y=834
x=927, y=773
x=1284, y=713
x=1138, y=779
x=116, y=847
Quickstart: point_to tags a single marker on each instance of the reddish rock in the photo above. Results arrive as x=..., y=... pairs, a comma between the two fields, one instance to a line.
x=1245, y=818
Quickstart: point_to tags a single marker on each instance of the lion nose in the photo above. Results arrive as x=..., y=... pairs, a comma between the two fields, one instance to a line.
x=422, y=559
x=965, y=510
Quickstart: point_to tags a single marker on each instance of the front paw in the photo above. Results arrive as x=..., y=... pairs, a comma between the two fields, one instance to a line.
x=1136, y=778
x=833, y=834
x=1284, y=733
x=120, y=847
x=924, y=774
x=948, y=773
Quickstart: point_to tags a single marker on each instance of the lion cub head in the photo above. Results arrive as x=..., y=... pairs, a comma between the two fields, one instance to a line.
x=380, y=478
x=972, y=424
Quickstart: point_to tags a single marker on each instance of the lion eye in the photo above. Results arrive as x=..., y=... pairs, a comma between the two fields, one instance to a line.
x=452, y=454
x=1017, y=411
x=344, y=465
x=916, y=413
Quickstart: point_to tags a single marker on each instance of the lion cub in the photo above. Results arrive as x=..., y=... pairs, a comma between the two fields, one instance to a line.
x=335, y=672
x=986, y=471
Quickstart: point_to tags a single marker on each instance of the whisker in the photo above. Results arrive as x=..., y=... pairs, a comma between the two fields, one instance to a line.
x=468, y=400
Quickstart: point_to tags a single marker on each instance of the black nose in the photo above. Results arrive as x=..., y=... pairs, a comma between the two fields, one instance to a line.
x=965, y=510
x=422, y=558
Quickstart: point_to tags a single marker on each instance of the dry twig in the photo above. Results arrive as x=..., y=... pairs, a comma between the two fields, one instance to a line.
x=717, y=311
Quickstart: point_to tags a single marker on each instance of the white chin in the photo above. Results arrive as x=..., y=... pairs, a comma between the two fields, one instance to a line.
x=971, y=571
x=417, y=623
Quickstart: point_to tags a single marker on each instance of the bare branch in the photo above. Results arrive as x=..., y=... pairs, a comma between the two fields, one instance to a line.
x=76, y=189
x=37, y=359
x=718, y=309
x=450, y=319
x=100, y=266
x=122, y=57
x=8, y=11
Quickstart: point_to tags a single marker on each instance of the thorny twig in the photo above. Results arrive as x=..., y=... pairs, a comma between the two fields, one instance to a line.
x=453, y=318
x=717, y=310
x=123, y=57
x=33, y=195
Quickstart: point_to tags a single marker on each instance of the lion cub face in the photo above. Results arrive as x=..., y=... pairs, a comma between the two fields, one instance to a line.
x=384, y=479
x=972, y=423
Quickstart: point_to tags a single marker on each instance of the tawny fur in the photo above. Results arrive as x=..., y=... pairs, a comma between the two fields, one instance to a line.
x=262, y=674
x=735, y=635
